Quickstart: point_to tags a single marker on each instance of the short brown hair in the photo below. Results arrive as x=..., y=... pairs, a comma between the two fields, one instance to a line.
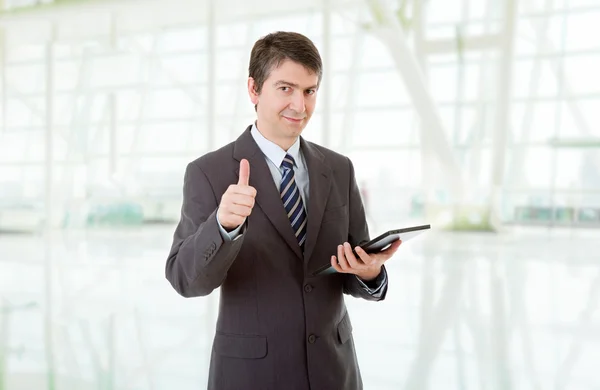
x=271, y=50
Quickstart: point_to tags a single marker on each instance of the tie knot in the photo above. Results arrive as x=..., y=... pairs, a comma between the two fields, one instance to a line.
x=288, y=162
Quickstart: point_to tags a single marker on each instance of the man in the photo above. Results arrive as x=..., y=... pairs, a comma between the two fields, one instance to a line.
x=258, y=217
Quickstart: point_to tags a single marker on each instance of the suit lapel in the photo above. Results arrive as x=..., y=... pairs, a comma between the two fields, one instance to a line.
x=319, y=187
x=267, y=194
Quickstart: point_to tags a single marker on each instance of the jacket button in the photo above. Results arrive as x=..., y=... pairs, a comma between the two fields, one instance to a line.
x=312, y=338
x=308, y=288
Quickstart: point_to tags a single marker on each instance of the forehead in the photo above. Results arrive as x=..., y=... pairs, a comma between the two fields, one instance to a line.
x=293, y=72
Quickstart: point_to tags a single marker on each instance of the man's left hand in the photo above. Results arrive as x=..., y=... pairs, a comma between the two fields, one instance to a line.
x=368, y=266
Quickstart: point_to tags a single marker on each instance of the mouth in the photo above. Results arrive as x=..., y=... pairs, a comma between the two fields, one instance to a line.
x=294, y=120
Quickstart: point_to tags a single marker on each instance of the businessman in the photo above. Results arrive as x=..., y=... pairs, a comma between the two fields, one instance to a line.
x=258, y=217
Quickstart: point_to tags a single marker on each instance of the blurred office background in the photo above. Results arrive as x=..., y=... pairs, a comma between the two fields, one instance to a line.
x=480, y=117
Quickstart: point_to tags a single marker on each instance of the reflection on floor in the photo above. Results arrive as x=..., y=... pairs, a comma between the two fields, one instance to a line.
x=464, y=311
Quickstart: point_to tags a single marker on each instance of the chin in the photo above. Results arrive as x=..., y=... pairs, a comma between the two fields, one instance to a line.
x=291, y=129
x=297, y=130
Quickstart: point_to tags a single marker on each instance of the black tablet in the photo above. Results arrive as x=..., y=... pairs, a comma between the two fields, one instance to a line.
x=380, y=243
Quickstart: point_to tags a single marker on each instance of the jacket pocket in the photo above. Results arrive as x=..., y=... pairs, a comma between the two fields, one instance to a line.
x=241, y=346
x=344, y=329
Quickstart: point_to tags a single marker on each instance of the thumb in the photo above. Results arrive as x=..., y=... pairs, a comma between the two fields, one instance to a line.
x=244, y=173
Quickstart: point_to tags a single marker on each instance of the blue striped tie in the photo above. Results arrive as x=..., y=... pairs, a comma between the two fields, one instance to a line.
x=292, y=201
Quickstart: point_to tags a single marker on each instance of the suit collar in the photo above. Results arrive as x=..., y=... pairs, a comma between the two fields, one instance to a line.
x=245, y=146
x=319, y=176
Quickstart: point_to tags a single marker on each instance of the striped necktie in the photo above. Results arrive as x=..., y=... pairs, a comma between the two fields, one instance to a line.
x=292, y=201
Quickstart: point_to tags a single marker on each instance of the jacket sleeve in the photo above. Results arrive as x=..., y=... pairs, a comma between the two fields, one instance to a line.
x=199, y=258
x=358, y=233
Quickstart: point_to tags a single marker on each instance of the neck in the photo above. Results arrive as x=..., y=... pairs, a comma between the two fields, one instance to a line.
x=284, y=143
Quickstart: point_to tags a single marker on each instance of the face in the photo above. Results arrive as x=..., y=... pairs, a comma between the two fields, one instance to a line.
x=285, y=103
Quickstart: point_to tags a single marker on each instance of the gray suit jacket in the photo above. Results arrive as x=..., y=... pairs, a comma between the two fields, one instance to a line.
x=278, y=327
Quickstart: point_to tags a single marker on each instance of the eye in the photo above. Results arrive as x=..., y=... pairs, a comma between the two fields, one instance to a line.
x=285, y=89
x=311, y=91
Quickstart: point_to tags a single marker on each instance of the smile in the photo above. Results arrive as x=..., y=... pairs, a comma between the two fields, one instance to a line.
x=294, y=119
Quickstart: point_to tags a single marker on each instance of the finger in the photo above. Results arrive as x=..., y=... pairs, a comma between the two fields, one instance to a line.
x=342, y=259
x=385, y=255
x=243, y=190
x=354, y=263
x=364, y=256
x=237, y=209
x=231, y=221
x=244, y=178
x=242, y=200
x=335, y=264
x=236, y=220
x=393, y=248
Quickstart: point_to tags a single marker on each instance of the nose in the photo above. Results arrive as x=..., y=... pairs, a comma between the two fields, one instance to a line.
x=297, y=103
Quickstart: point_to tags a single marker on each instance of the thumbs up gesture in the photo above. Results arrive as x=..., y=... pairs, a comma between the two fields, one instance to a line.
x=237, y=202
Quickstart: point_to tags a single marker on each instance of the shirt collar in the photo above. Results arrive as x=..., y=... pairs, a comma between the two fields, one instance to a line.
x=273, y=151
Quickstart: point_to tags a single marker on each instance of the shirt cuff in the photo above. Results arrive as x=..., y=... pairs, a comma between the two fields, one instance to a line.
x=375, y=286
x=232, y=235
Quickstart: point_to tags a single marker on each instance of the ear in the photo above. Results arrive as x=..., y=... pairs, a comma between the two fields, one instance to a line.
x=252, y=91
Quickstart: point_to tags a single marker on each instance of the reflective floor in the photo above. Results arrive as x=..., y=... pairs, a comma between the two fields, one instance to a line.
x=518, y=310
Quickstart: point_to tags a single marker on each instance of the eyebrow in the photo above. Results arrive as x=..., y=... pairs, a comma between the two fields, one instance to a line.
x=287, y=83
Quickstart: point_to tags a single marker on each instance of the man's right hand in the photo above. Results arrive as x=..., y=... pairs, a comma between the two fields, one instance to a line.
x=237, y=202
